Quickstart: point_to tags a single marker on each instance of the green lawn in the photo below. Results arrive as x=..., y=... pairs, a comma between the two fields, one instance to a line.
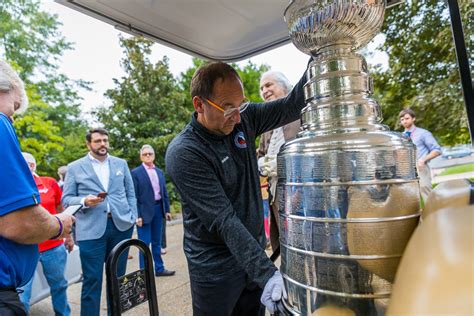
x=458, y=169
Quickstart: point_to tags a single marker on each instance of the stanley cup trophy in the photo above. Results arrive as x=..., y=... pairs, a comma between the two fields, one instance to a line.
x=349, y=196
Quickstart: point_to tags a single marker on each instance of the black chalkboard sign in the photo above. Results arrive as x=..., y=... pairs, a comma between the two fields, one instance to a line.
x=132, y=290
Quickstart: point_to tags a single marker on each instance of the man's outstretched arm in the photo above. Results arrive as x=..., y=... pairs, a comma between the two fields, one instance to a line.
x=34, y=224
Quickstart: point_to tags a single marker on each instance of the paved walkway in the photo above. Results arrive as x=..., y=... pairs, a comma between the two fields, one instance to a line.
x=174, y=296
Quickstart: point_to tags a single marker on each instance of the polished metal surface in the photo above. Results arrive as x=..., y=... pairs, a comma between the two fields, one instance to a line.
x=348, y=187
x=317, y=24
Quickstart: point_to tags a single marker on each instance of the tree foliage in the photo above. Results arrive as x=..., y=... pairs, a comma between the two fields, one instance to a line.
x=250, y=75
x=148, y=106
x=32, y=42
x=423, y=72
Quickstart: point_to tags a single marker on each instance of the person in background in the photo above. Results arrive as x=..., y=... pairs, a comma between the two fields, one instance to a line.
x=53, y=256
x=103, y=185
x=62, y=175
x=163, y=234
x=153, y=204
x=273, y=86
x=213, y=165
x=427, y=148
x=23, y=222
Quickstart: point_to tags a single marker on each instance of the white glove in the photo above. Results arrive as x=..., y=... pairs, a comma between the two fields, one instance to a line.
x=273, y=292
x=268, y=166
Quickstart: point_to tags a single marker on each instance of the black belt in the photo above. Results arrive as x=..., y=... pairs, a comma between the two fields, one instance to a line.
x=109, y=215
x=157, y=201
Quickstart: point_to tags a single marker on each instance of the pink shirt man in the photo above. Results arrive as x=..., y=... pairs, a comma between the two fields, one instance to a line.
x=155, y=183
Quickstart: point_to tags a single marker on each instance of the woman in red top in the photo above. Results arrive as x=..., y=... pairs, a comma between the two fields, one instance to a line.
x=53, y=254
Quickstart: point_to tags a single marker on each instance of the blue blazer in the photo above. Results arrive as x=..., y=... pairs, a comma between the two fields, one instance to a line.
x=146, y=196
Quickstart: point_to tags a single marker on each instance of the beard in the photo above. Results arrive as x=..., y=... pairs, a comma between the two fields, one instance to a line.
x=100, y=151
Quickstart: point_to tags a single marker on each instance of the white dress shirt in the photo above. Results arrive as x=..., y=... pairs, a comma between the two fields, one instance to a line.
x=102, y=170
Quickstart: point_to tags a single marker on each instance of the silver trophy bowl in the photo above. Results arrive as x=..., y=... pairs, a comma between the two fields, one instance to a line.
x=316, y=24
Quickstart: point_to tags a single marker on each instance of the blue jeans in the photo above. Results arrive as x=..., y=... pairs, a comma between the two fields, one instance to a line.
x=54, y=264
x=93, y=255
x=151, y=233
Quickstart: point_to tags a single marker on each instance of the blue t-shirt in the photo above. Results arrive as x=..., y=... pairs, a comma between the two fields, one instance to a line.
x=17, y=190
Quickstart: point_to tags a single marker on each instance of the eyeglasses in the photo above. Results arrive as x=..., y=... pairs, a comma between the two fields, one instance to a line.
x=231, y=111
x=147, y=154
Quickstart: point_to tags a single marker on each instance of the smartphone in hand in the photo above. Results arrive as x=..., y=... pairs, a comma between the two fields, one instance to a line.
x=102, y=195
x=72, y=209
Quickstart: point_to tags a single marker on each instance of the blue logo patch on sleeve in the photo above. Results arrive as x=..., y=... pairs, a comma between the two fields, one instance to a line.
x=239, y=140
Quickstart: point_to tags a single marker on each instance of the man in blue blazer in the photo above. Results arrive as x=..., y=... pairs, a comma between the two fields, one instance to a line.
x=153, y=204
x=104, y=186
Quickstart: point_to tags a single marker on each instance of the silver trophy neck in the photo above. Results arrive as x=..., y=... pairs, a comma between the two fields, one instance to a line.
x=338, y=95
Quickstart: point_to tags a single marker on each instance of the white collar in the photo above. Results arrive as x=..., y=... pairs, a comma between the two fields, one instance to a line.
x=93, y=159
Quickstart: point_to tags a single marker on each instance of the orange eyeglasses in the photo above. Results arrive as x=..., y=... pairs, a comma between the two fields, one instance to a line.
x=231, y=111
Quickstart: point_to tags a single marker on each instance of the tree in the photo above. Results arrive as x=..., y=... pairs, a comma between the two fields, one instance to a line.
x=423, y=73
x=32, y=42
x=148, y=106
x=250, y=75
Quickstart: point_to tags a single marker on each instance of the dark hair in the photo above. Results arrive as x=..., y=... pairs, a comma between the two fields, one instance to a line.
x=407, y=111
x=101, y=131
x=205, y=76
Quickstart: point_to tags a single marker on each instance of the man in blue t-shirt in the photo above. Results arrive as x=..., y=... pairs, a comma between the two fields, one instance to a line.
x=23, y=222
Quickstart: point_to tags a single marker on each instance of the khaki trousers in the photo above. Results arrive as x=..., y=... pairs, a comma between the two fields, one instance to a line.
x=425, y=181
